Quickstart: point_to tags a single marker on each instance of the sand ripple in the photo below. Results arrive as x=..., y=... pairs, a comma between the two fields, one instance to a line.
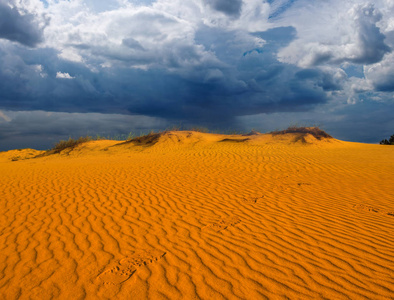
x=208, y=220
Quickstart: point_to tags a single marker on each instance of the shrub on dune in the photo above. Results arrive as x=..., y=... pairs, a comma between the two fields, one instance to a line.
x=388, y=142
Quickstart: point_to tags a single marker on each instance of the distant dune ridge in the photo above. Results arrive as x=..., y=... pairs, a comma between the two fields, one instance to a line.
x=293, y=214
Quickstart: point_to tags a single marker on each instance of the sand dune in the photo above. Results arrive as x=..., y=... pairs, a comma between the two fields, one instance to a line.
x=188, y=215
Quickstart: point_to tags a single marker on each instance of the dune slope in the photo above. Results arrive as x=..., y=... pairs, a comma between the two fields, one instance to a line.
x=186, y=215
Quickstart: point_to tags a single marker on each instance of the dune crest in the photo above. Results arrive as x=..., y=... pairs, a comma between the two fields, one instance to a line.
x=191, y=215
x=192, y=139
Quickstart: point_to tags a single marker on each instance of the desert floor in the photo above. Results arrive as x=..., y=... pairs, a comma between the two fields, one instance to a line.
x=187, y=215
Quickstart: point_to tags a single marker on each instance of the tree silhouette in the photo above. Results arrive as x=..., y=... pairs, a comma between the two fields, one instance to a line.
x=388, y=142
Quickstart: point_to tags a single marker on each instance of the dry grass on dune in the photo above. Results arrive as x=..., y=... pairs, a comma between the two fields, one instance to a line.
x=65, y=145
x=147, y=140
x=152, y=138
x=314, y=131
x=69, y=144
x=192, y=215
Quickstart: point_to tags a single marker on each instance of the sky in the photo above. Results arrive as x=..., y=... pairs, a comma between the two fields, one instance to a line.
x=84, y=67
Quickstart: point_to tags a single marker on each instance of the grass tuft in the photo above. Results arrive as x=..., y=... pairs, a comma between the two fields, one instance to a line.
x=69, y=144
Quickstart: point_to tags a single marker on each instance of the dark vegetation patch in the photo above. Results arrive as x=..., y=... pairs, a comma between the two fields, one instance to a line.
x=69, y=145
x=388, y=142
x=234, y=140
x=315, y=131
x=146, y=140
x=149, y=139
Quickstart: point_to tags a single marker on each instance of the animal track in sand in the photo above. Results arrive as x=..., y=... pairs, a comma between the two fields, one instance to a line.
x=222, y=224
x=365, y=207
x=252, y=200
x=121, y=270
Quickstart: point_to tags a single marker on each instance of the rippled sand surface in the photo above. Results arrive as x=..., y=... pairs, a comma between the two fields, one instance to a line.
x=186, y=215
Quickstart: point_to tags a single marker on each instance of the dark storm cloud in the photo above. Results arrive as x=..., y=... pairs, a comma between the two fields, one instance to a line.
x=367, y=122
x=322, y=79
x=386, y=84
x=28, y=81
x=243, y=84
x=229, y=7
x=21, y=28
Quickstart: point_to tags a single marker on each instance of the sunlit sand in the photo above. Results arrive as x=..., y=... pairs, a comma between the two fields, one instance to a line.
x=190, y=215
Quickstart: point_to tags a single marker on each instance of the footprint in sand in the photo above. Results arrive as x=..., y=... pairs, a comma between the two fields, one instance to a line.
x=365, y=207
x=121, y=270
x=222, y=224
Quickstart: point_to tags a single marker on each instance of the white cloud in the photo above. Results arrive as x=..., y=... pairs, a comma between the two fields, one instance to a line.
x=335, y=32
x=128, y=36
x=131, y=34
x=163, y=31
x=71, y=54
x=64, y=75
x=40, y=70
x=355, y=87
x=381, y=74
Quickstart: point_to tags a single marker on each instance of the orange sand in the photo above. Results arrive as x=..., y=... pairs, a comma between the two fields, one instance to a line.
x=189, y=216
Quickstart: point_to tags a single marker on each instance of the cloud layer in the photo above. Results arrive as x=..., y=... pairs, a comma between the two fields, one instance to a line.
x=198, y=62
x=19, y=25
